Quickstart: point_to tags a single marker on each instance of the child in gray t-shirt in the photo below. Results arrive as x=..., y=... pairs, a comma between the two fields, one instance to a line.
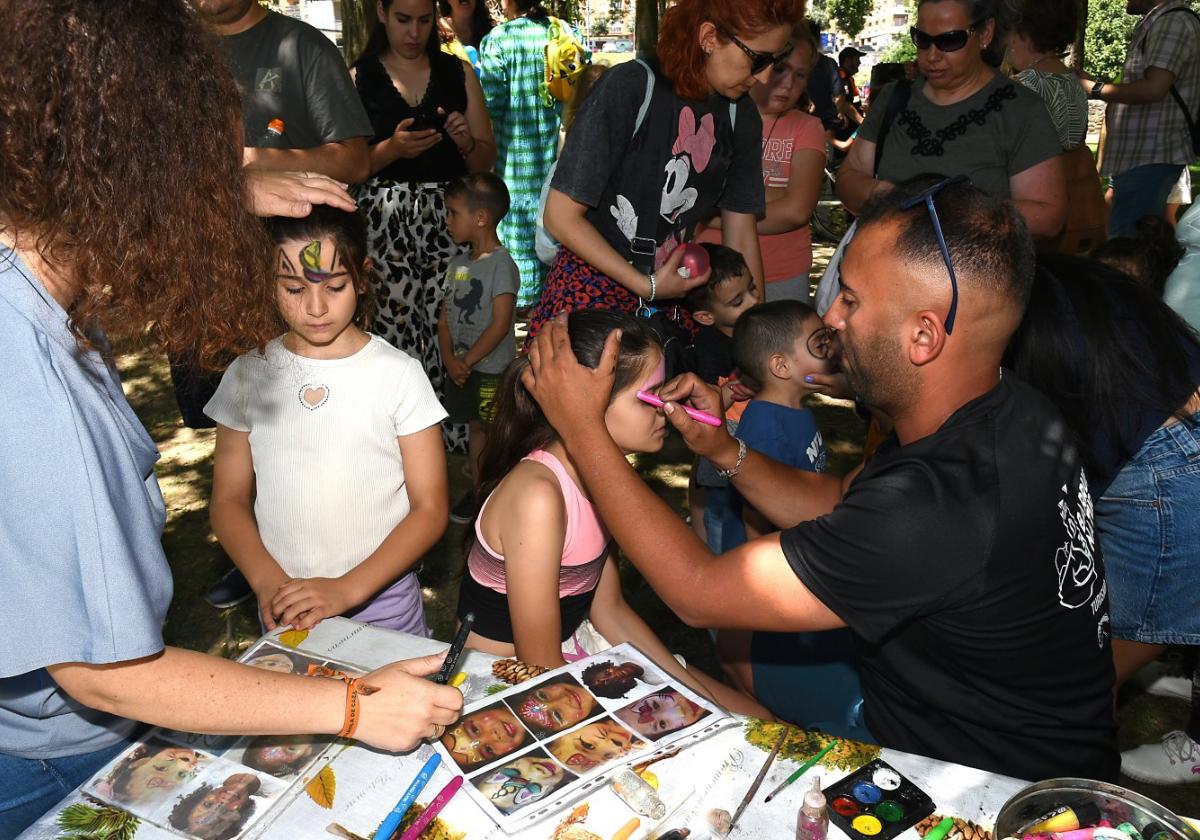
x=475, y=328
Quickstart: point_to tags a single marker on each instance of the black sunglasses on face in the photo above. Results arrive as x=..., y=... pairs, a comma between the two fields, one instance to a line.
x=759, y=61
x=926, y=198
x=947, y=42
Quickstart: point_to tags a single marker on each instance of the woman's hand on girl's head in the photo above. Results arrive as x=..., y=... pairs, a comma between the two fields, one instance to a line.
x=407, y=709
x=669, y=285
x=573, y=397
x=411, y=144
x=304, y=602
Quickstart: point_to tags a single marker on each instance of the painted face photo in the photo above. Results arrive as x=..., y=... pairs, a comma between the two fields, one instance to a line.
x=217, y=812
x=522, y=781
x=611, y=679
x=281, y=756
x=485, y=735
x=594, y=745
x=152, y=773
x=661, y=713
x=554, y=705
x=270, y=658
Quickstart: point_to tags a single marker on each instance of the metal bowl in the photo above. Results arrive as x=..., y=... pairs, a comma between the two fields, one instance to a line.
x=1123, y=805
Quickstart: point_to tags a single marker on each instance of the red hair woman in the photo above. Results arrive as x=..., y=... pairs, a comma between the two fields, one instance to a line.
x=664, y=144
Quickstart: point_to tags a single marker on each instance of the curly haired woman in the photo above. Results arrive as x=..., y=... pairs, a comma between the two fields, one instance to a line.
x=110, y=217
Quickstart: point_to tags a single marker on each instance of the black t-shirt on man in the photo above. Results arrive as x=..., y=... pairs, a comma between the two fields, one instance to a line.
x=967, y=567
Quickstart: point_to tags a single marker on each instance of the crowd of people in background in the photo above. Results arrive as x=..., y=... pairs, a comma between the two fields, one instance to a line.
x=1020, y=539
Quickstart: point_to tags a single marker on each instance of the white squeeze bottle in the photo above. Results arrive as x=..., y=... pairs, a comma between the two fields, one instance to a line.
x=813, y=820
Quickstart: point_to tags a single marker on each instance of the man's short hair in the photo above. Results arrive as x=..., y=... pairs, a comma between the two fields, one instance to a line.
x=988, y=241
x=482, y=191
x=725, y=263
x=764, y=330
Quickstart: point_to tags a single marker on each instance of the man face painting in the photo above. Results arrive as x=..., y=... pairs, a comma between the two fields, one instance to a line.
x=664, y=711
x=555, y=706
x=278, y=662
x=482, y=736
x=592, y=745
x=520, y=782
x=280, y=755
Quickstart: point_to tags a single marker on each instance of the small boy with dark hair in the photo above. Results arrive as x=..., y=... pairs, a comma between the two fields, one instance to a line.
x=715, y=307
x=475, y=327
x=776, y=346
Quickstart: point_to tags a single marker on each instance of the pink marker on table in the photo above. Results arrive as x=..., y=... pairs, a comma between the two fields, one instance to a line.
x=435, y=807
x=695, y=414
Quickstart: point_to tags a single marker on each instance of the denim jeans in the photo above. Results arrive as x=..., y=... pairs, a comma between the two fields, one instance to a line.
x=1141, y=191
x=29, y=787
x=1148, y=522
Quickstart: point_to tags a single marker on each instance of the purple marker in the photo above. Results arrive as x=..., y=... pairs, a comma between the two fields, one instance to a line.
x=695, y=414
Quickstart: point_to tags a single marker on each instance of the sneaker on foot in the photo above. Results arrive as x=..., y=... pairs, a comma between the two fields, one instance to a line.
x=1173, y=761
x=464, y=509
x=1162, y=679
x=231, y=590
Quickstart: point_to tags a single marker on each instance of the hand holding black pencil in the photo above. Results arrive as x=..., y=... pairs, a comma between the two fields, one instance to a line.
x=455, y=651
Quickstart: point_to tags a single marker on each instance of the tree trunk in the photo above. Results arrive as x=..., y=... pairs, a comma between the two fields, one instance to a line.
x=1076, y=54
x=358, y=17
x=645, y=27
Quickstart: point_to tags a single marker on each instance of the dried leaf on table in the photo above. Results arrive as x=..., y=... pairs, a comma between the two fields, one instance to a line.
x=436, y=830
x=292, y=638
x=322, y=787
x=803, y=744
x=570, y=829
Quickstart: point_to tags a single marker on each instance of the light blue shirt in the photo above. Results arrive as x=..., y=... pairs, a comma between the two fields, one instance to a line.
x=82, y=568
x=1182, y=290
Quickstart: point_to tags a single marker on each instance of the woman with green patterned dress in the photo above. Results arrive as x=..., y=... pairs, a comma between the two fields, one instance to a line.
x=512, y=61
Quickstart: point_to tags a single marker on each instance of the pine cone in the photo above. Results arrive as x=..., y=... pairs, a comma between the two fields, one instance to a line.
x=515, y=672
x=966, y=828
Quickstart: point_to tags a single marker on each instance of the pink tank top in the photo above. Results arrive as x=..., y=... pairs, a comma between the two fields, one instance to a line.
x=584, y=547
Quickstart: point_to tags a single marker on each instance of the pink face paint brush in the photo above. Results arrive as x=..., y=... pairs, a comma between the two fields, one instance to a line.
x=695, y=414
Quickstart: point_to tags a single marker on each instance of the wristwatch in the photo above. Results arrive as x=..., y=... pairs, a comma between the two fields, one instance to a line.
x=1097, y=87
x=737, y=465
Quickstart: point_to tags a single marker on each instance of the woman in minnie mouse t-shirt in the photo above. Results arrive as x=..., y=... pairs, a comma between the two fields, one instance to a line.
x=643, y=170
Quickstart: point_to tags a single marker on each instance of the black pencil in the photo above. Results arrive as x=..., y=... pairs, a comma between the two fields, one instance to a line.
x=456, y=649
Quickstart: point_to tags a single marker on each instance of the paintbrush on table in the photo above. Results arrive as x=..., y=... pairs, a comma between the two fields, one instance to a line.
x=758, y=780
x=804, y=768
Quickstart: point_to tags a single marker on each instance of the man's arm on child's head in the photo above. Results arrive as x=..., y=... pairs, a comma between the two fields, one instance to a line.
x=503, y=307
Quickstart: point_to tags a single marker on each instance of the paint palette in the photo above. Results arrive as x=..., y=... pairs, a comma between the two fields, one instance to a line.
x=876, y=802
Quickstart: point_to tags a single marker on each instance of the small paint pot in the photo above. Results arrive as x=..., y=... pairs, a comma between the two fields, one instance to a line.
x=886, y=778
x=845, y=806
x=867, y=825
x=889, y=811
x=867, y=793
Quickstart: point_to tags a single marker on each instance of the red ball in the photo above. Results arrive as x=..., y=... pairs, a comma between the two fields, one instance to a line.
x=694, y=259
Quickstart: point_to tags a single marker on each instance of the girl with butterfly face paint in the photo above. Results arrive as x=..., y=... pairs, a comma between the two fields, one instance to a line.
x=527, y=779
x=330, y=477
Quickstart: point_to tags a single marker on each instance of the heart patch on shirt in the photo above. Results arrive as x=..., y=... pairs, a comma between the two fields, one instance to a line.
x=313, y=396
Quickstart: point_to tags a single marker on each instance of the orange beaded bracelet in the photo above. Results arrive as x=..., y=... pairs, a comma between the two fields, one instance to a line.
x=355, y=688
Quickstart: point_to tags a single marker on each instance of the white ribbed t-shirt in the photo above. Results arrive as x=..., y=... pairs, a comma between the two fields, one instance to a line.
x=329, y=479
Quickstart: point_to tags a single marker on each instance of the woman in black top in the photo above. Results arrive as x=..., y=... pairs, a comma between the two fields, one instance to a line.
x=430, y=126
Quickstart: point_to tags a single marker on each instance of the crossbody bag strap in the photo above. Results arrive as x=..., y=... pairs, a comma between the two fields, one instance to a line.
x=896, y=103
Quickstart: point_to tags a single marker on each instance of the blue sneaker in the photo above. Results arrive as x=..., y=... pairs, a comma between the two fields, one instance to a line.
x=232, y=589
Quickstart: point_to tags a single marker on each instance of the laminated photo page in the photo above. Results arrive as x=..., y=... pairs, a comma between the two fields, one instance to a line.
x=532, y=750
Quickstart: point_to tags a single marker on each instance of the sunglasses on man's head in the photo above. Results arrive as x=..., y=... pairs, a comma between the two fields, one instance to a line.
x=926, y=198
x=951, y=41
x=759, y=61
